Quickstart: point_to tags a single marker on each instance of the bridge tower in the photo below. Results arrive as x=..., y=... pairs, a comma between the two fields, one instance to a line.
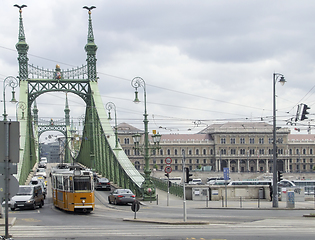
x=98, y=145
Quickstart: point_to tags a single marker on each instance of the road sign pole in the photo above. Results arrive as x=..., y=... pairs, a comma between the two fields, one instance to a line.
x=184, y=190
x=168, y=190
x=6, y=191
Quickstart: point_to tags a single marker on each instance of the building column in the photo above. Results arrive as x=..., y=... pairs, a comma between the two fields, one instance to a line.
x=238, y=165
x=267, y=167
x=257, y=168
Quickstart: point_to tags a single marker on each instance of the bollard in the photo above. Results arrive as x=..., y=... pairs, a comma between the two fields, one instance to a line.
x=207, y=201
x=222, y=201
x=241, y=202
x=258, y=202
x=157, y=199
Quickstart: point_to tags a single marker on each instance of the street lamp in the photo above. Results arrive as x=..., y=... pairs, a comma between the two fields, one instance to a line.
x=13, y=83
x=109, y=106
x=147, y=186
x=276, y=76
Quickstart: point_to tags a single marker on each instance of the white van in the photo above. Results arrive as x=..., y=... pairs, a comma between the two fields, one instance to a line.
x=196, y=181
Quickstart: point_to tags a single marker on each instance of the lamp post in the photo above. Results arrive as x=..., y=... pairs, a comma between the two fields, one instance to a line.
x=148, y=187
x=13, y=83
x=109, y=106
x=276, y=76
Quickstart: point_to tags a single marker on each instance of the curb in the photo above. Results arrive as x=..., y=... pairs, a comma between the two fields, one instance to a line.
x=167, y=221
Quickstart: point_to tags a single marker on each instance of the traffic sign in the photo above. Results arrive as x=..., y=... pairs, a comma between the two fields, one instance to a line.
x=13, y=186
x=168, y=169
x=168, y=160
x=226, y=173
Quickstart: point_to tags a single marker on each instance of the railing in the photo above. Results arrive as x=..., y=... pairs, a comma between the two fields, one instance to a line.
x=175, y=189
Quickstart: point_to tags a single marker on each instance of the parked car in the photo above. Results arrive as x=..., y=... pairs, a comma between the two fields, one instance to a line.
x=121, y=196
x=102, y=183
x=28, y=196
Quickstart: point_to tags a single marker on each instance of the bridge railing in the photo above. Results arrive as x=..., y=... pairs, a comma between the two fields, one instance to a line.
x=175, y=188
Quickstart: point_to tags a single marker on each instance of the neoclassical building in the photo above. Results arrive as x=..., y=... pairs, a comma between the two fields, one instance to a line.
x=241, y=146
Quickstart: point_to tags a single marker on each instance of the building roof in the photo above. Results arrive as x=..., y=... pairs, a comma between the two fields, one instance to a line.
x=301, y=137
x=185, y=137
x=128, y=129
x=242, y=127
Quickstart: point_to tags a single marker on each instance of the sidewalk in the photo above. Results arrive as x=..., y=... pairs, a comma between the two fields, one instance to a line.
x=176, y=202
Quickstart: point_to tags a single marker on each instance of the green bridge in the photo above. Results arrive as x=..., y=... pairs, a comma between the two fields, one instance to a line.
x=99, y=149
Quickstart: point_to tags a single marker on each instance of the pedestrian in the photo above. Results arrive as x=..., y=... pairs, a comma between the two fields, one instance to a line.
x=270, y=191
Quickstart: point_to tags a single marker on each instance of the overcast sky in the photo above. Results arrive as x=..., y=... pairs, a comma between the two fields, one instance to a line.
x=203, y=61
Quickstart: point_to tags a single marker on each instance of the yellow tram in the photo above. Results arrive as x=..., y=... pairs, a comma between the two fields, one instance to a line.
x=73, y=189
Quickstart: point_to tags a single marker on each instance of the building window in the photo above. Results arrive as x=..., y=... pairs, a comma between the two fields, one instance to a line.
x=311, y=151
x=280, y=151
x=261, y=140
x=161, y=161
x=204, y=152
x=251, y=151
x=211, y=151
x=197, y=161
x=223, y=151
x=232, y=140
x=297, y=151
x=290, y=151
x=270, y=141
x=304, y=151
x=311, y=160
x=197, y=151
x=189, y=152
x=261, y=151
x=161, y=152
x=176, y=168
x=126, y=140
x=175, y=151
x=222, y=140
x=168, y=152
x=252, y=140
x=242, y=140
x=175, y=161
x=280, y=140
x=204, y=161
x=190, y=161
x=242, y=151
x=233, y=151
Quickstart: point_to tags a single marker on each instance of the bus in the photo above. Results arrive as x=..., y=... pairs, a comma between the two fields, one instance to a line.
x=309, y=186
x=73, y=189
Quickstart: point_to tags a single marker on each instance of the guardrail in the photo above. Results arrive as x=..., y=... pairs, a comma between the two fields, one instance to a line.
x=175, y=189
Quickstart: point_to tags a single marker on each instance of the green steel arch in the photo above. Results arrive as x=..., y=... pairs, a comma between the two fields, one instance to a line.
x=98, y=146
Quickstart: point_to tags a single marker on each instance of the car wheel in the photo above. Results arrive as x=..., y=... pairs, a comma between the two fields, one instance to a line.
x=12, y=208
x=40, y=204
x=116, y=202
x=34, y=206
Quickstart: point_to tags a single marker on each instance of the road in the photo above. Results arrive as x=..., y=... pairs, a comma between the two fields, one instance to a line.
x=107, y=222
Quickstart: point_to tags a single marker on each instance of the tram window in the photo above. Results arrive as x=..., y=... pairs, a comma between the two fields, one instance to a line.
x=66, y=183
x=82, y=183
x=59, y=183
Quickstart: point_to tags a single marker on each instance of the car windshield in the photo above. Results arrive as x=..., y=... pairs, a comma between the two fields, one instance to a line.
x=121, y=191
x=25, y=191
x=103, y=180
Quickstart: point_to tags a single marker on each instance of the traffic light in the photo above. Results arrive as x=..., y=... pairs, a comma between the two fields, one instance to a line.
x=304, y=112
x=280, y=176
x=188, y=175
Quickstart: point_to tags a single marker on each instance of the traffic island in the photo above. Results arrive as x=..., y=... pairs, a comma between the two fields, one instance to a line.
x=167, y=221
x=309, y=215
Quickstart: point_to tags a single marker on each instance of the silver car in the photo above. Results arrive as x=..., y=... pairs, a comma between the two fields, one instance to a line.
x=121, y=196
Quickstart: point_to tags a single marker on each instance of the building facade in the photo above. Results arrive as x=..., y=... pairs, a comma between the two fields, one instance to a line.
x=240, y=146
